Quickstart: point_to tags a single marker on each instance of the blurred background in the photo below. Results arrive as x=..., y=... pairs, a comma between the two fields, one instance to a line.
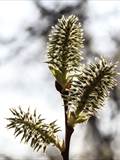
x=25, y=79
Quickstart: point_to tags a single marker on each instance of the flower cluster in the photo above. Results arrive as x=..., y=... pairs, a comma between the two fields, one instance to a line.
x=64, y=48
x=86, y=87
x=34, y=129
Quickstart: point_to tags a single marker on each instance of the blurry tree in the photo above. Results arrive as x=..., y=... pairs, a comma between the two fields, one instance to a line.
x=80, y=9
x=5, y=157
x=82, y=88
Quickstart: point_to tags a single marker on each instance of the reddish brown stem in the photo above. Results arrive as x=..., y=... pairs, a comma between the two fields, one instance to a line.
x=68, y=133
